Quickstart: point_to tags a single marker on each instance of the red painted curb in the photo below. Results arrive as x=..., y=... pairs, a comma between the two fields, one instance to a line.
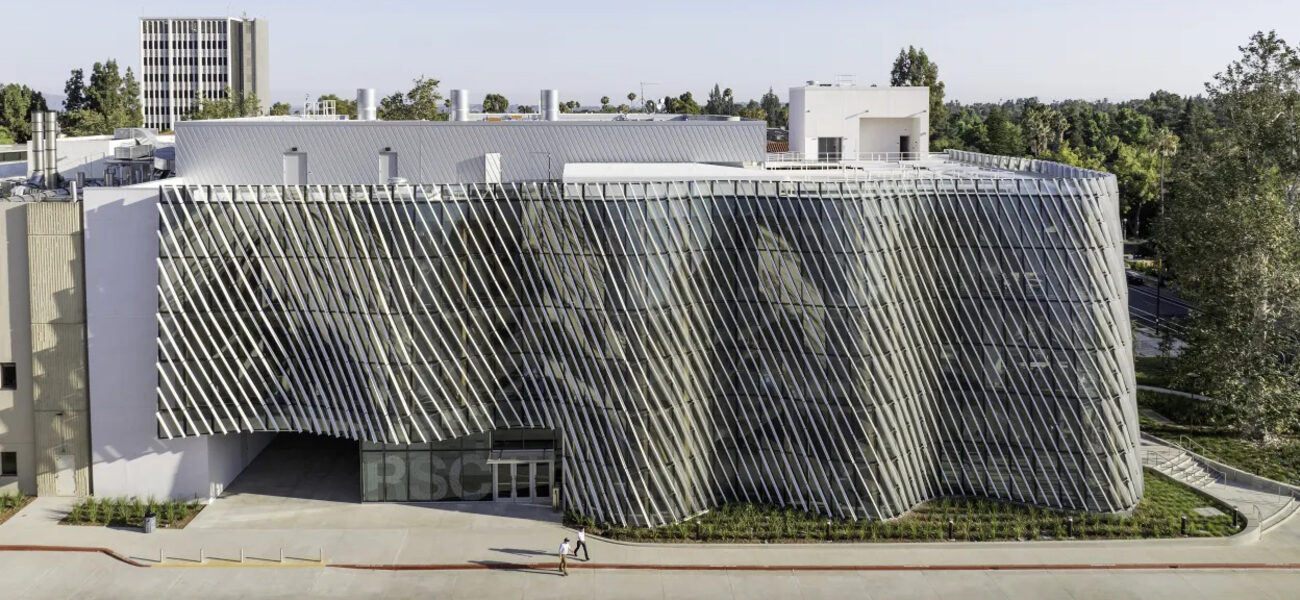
x=958, y=567
x=506, y=566
x=90, y=549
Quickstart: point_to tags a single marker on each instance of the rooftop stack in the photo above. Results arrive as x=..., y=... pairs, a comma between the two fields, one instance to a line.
x=460, y=105
x=551, y=105
x=367, y=110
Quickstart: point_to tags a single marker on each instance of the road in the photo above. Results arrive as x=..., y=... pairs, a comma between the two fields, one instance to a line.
x=37, y=576
x=1142, y=304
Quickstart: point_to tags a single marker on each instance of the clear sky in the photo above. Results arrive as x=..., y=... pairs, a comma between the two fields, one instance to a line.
x=986, y=49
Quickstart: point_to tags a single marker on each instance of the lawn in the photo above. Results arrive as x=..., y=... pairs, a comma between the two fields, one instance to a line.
x=10, y=504
x=1159, y=514
x=129, y=512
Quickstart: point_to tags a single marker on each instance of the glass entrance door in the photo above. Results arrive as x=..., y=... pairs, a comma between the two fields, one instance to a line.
x=524, y=481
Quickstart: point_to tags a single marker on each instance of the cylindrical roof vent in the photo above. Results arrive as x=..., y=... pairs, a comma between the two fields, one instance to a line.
x=37, y=152
x=51, y=148
x=551, y=105
x=460, y=105
x=367, y=110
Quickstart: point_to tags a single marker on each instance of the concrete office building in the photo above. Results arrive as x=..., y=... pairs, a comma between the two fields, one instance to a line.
x=184, y=59
x=834, y=122
x=638, y=319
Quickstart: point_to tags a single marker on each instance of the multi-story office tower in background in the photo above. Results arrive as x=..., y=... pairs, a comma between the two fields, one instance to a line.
x=184, y=59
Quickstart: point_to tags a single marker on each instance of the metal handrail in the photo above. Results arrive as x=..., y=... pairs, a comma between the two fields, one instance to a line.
x=843, y=157
x=1203, y=451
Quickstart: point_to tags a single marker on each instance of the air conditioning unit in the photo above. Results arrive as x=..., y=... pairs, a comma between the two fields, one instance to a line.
x=130, y=152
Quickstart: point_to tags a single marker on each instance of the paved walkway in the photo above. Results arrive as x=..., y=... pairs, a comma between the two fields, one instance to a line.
x=486, y=534
x=477, y=539
x=92, y=578
x=1259, y=506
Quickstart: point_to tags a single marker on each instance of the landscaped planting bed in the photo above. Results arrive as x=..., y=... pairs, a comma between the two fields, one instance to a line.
x=1158, y=515
x=130, y=512
x=10, y=504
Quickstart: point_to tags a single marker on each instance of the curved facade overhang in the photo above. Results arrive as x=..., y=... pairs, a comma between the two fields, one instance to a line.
x=851, y=348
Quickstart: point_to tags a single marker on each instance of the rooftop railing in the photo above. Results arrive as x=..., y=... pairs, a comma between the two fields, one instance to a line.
x=834, y=158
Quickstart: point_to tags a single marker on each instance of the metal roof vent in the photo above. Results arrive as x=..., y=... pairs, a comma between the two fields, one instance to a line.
x=551, y=105
x=460, y=105
x=367, y=109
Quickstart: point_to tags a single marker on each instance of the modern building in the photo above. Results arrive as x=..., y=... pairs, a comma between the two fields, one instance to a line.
x=185, y=59
x=637, y=320
x=836, y=121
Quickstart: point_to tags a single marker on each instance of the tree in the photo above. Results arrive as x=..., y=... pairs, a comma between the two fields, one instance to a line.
x=913, y=67
x=1066, y=155
x=604, y=102
x=1131, y=127
x=753, y=110
x=1135, y=169
x=280, y=109
x=17, y=102
x=420, y=103
x=968, y=131
x=1231, y=235
x=682, y=105
x=132, y=110
x=110, y=101
x=1162, y=107
x=228, y=106
x=720, y=102
x=106, y=94
x=776, y=113
x=1042, y=127
x=631, y=97
x=75, y=92
x=495, y=103
x=1003, y=136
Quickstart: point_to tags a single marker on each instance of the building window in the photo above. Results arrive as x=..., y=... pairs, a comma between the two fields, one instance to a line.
x=829, y=148
x=8, y=464
x=8, y=376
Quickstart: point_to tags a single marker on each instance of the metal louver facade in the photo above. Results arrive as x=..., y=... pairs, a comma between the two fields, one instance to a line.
x=851, y=348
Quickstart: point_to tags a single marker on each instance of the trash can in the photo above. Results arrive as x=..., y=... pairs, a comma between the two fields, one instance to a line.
x=150, y=521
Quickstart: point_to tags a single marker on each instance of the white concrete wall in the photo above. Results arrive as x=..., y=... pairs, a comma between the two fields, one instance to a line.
x=17, y=433
x=847, y=112
x=121, y=322
x=881, y=135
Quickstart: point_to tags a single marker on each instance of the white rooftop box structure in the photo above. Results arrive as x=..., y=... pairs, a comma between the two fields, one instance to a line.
x=833, y=122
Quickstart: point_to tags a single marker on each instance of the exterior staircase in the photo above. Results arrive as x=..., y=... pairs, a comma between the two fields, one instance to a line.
x=1182, y=467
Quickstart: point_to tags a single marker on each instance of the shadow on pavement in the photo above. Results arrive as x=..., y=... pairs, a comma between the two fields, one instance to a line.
x=517, y=567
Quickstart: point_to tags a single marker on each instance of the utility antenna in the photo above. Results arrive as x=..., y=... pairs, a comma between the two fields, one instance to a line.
x=643, y=84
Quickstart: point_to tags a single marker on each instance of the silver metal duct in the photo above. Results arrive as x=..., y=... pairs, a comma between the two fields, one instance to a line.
x=37, y=152
x=550, y=107
x=367, y=109
x=51, y=149
x=460, y=105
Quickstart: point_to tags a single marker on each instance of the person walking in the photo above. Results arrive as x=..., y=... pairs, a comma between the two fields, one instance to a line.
x=582, y=544
x=564, y=554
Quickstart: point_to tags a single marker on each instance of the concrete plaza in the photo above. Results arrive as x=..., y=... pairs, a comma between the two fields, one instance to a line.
x=495, y=550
